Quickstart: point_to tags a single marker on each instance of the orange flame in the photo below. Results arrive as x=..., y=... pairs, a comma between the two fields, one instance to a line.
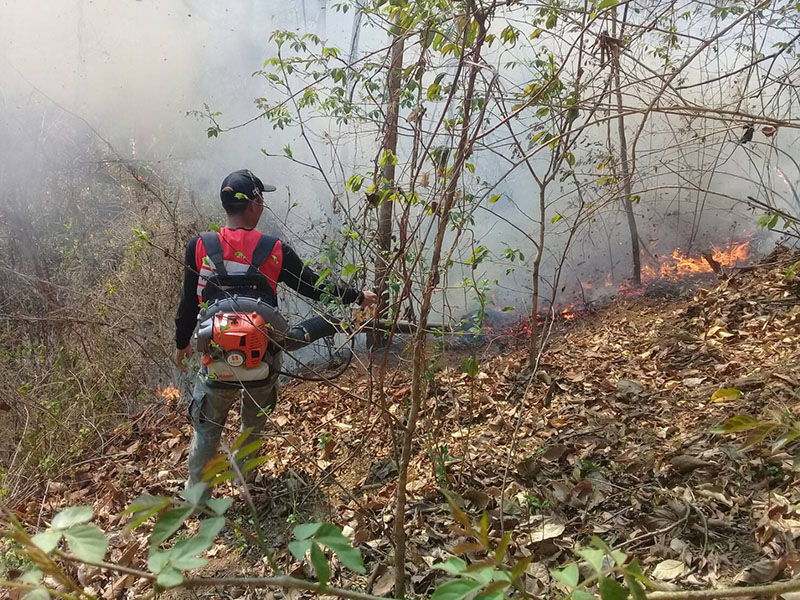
x=569, y=313
x=170, y=394
x=679, y=265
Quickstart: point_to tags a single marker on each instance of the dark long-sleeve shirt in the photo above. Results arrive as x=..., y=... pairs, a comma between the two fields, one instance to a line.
x=294, y=274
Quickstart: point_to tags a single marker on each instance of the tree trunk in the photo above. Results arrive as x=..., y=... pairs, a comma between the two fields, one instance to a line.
x=533, y=343
x=419, y=359
x=623, y=157
x=378, y=338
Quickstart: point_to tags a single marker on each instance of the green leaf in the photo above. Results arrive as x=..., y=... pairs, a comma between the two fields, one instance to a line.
x=241, y=439
x=619, y=557
x=495, y=591
x=32, y=576
x=455, y=590
x=254, y=463
x=594, y=557
x=141, y=517
x=635, y=588
x=610, y=589
x=146, y=502
x=785, y=439
x=74, y=515
x=634, y=570
x=607, y=3
x=569, y=575
x=520, y=567
x=47, y=540
x=735, y=424
x=210, y=528
x=157, y=560
x=247, y=450
x=330, y=536
x=298, y=548
x=556, y=218
x=219, y=505
x=169, y=523
x=38, y=593
x=757, y=434
x=452, y=565
x=726, y=394
x=306, y=530
x=321, y=566
x=480, y=572
x=87, y=542
x=170, y=577
x=596, y=542
x=470, y=366
x=214, y=227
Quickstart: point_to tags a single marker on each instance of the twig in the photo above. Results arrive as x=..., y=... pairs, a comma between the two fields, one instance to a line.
x=651, y=534
x=281, y=581
x=754, y=591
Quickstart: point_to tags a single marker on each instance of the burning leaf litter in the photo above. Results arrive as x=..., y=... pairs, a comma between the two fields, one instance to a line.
x=610, y=438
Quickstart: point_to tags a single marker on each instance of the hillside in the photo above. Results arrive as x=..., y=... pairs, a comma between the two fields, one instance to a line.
x=610, y=437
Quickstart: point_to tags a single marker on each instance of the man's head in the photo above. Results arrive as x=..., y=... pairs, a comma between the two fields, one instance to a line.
x=242, y=196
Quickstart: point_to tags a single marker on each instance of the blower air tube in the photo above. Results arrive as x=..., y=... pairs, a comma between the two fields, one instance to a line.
x=310, y=330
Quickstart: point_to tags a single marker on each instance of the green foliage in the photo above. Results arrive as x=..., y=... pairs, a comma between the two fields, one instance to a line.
x=84, y=540
x=783, y=430
x=312, y=536
x=769, y=221
x=470, y=366
x=726, y=394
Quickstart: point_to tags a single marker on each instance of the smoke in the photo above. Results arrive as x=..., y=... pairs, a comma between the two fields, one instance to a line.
x=128, y=71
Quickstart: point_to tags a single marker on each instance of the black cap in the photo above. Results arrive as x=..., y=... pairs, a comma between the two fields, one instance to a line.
x=242, y=182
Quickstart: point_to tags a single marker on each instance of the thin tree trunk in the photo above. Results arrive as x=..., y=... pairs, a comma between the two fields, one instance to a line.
x=626, y=173
x=378, y=338
x=533, y=343
x=419, y=357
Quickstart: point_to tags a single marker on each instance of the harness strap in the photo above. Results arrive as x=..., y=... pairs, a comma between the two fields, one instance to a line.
x=214, y=251
x=261, y=252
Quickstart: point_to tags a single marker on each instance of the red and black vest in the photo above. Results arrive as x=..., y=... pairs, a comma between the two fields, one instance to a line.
x=238, y=261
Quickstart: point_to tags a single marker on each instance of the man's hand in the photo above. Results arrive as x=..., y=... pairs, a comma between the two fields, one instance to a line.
x=369, y=299
x=181, y=355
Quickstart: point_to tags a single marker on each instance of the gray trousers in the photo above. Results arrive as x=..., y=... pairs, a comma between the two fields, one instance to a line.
x=209, y=410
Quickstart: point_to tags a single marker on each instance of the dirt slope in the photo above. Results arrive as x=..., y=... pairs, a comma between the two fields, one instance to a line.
x=609, y=437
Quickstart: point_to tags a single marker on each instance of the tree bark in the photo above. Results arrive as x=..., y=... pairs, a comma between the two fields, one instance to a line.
x=626, y=172
x=419, y=358
x=378, y=338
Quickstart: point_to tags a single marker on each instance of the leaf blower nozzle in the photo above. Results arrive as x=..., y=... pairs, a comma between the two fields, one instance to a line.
x=311, y=330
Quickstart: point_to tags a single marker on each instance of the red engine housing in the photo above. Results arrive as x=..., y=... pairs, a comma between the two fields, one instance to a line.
x=241, y=334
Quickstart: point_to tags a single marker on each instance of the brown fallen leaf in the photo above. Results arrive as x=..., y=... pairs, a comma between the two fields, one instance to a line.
x=686, y=463
x=668, y=570
x=763, y=571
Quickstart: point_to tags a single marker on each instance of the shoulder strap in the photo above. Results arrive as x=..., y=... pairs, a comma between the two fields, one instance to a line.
x=214, y=251
x=262, y=251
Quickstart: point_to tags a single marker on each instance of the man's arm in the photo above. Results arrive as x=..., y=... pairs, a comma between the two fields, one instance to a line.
x=186, y=317
x=304, y=281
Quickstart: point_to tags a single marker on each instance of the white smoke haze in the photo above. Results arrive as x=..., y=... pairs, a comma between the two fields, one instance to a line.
x=132, y=69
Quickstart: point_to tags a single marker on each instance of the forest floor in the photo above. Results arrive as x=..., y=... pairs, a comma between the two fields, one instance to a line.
x=609, y=437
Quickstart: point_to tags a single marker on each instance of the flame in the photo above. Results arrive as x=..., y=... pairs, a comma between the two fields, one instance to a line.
x=679, y=265
x=169, y=393
x=569, y=313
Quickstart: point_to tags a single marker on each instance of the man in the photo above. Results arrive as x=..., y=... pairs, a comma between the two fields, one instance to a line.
x=239, y=241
